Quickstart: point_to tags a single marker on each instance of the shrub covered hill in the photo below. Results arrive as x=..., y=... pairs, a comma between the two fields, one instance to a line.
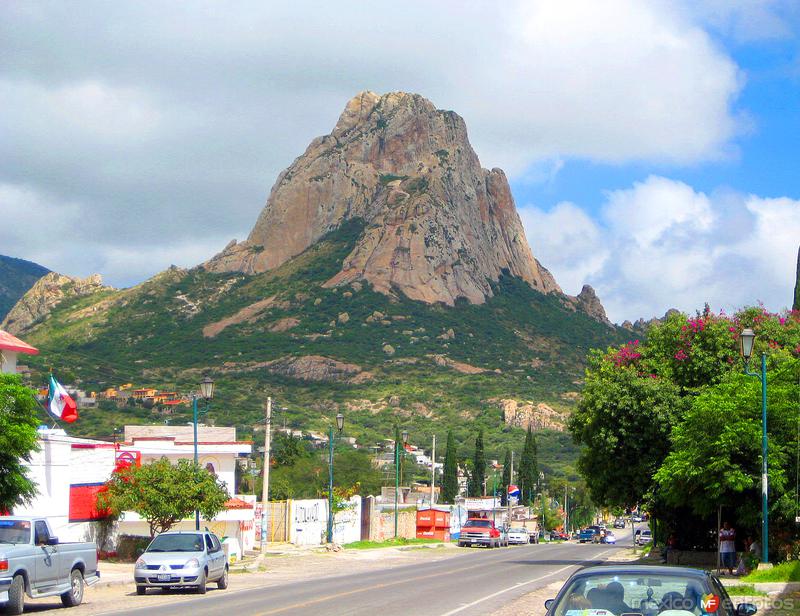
x=16, y=277
x=388, y=277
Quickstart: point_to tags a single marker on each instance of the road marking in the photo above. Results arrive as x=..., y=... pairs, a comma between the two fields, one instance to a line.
x=514, y=587
x=339, y=595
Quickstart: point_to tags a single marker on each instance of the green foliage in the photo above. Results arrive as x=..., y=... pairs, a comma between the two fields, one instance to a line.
x=450, y=471
x=388, y=543
x=164, y=493
x=506, y=477
x=623, y=423
x=529, y=469
x=783, y=572
x=18, y=423
x=477, y=477
x=796, y=303
x=387, y=178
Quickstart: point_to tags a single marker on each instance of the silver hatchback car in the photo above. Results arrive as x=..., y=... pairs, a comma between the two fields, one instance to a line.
x=182, y=559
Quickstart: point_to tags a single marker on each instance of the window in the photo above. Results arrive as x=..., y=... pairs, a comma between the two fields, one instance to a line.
x=177, y=542
x=42, y=534
x=217, y=546
x=209, y=543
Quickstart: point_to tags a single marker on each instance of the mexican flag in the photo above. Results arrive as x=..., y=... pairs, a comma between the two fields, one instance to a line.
x=60, y=404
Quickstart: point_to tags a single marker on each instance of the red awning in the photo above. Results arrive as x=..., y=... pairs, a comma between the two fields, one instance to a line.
x=10, y=343
x=237, y=503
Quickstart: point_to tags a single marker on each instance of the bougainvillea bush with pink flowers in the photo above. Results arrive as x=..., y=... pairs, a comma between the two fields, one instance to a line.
x=673, y=422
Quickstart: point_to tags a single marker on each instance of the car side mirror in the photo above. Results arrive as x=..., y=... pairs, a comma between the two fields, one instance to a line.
x=52, y=541
x=549, y=603
x=746, y=609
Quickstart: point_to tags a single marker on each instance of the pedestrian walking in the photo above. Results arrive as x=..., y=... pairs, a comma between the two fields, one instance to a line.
x=727, y=546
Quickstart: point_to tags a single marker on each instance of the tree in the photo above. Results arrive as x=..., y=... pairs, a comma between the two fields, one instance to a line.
x=623, y=422
x=478, y=474
x=528, y=469
x=18, y=424
x=506, y=478
x=450, y=471
x=796, y=303
x=164, y=494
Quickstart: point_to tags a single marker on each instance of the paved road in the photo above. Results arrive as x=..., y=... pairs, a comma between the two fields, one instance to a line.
x=474, y=583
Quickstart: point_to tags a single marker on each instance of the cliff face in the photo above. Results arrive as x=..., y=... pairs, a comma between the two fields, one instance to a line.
x=46, y=294
x=438, y=226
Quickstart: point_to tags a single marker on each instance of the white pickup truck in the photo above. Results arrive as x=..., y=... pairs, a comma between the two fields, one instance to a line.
x=33, y=562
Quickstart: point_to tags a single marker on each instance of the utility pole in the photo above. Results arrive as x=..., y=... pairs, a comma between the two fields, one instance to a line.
x=265, y=489
x=565, y=508
x=433, y=472
x=508, y=496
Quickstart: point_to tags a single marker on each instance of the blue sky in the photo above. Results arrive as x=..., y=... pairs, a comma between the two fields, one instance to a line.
x=651, y=145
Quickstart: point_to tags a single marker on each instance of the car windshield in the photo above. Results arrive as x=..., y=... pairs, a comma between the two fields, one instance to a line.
x=516, y=530
x=644, y=593
x=176, y=543
x=646, y=533
x=480, y=523
x=15, y=531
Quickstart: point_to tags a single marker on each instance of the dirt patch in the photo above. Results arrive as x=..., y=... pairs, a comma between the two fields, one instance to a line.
x=246, y=314
x=282, y=325
x=458, y=366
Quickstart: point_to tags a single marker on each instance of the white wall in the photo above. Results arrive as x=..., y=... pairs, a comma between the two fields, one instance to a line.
x=8, y=362
x=308, y=521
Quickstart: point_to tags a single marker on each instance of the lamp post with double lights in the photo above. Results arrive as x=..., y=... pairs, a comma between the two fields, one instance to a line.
x=397, y=475
x=746, y=340
x=206, y=393
x=339, y=428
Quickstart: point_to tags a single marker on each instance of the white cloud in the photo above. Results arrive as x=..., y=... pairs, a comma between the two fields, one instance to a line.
x=663, y=245
x=171, y=116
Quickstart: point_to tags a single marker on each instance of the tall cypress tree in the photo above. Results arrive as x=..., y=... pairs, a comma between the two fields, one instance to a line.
x=528, y=469
x=450, y=471
x=478, y=468
x=506, y=478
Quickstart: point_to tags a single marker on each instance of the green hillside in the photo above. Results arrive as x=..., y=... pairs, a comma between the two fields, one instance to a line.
x=531, y=346
x=16, y=277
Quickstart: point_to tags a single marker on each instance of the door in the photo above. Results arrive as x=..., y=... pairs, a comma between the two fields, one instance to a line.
x=215, y=557
x=46, y=563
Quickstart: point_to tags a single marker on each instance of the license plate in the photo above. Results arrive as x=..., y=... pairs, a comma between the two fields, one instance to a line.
x=3, y=596
x=164, y=577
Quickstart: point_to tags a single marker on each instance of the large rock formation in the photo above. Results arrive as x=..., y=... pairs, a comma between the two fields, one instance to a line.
x=531, y=415
x=437, y=226
x=49, y=291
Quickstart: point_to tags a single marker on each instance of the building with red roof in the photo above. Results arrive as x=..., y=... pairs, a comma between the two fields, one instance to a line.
x=10, y=347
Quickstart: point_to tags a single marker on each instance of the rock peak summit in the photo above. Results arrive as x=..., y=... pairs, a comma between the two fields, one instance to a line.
x=438, y=227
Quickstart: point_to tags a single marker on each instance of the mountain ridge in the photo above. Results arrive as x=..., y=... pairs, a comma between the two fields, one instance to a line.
x=17, y=276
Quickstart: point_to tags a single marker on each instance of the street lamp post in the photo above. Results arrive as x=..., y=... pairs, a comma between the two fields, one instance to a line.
x=494, y=496
x=206, y=392
x=339, y=427
x=541, y=497
x=746, y=340
x=397, y=475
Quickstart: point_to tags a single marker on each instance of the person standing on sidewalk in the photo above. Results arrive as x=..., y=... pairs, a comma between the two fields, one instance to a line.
x=727, y=546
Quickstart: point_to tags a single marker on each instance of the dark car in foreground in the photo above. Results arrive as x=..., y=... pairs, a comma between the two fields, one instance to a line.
x=644, y=590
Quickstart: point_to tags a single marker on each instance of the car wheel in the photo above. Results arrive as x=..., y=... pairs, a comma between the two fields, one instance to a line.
x=74, y=595
x=16, y=596
x=222, y=582
x=141, y=590
x=201, y=584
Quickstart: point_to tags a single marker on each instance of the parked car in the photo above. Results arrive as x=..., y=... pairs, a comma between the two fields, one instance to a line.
x=646, y=590
x=557, y=535
x=34, y=562
x=481, y=531
x=182, y=559
x=636, y=518
x=588, y=534
x=619, y=523
x=518, y=536
x=643, y=537
x=609, y=538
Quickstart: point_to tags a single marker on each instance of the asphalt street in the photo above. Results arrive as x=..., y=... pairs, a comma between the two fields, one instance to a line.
x=474, y=583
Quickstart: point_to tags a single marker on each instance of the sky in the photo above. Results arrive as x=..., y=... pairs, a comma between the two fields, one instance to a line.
x=653, y=147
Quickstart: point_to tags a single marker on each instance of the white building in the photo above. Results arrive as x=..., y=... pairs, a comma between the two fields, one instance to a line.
x=69, y=472
x=10, y=347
